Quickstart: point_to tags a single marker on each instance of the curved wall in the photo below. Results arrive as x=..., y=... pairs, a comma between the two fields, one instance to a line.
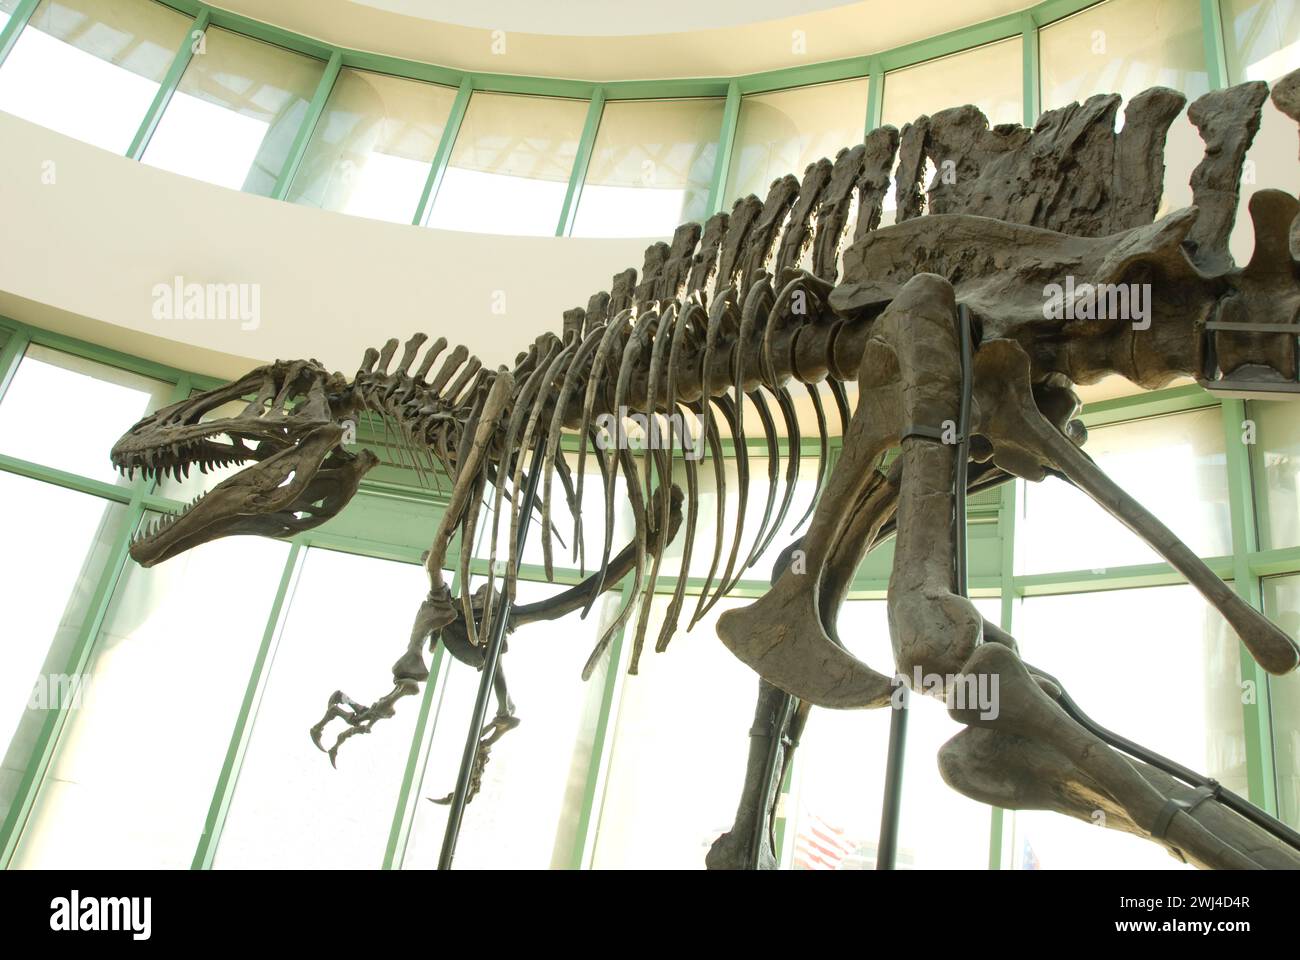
x=661, y=45
x=89, y=235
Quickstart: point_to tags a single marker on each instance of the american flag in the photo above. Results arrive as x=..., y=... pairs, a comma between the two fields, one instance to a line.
x=820, y=846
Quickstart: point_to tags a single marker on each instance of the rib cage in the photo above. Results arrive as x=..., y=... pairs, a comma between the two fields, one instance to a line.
x=730, y=315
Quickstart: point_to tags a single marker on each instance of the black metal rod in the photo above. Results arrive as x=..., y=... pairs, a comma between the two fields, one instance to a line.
x=491, y=659
x=1232, y=801
x=891, y=806
x=962, y=468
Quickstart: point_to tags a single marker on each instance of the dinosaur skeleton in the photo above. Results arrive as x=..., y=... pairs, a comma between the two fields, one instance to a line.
x=780, y=296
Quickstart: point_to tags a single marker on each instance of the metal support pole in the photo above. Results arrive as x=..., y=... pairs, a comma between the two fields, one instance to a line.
x=887, y=844
x=491, y=659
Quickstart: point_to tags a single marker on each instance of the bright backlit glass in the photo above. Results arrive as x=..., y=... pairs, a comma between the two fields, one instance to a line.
x=1262, y=38
x=236, y=112
x=783, y=132
x=675, y=773
x=510, y=167
x=1174, y=466
x=1278, y=483
x=66, y=412
x=1124, y=47
x=990, y=77
x=1192, y=714
x=373, y=145
x=1282, y=604
x=45, y=593
x=91, y=68
x=526, y=815
x=132, y=776
x=344, y=608
x=837, y=789
x=650, y=168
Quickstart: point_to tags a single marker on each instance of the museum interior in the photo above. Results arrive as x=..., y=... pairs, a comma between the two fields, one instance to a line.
x=193, y=191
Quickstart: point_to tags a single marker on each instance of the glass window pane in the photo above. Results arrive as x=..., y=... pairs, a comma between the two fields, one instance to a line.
x=1174, y=466
x=45, y=593
x=236, y=112
x=1282, y=604
x=132, y=776
x=7, y=8
x=373, y=145
x=510, y=167
x=347, y=614
x=526, y=815
x=650, y=169
x=838, y=784
x=783, y=132
x=1124, y=47
x=1279, y=486
x=675, y=774
x=91, y=68
x=1105, y=648
x=991, y=77
x=67, y=412
x=1262, y=38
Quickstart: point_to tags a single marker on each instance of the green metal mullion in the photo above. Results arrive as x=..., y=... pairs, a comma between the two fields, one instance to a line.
x=1143, y=405
x=308, y=126
x=224, y=790
x=46, y=741
x=875, y=94
x=442, y=157
x=581, y=160
x=584, y=841
x=1216, y=54
x=1256, y=716
x=62, y=478
x=726, y=144
x=1031, y=65
x=417, y=757
x=11, y=354
x=17, y=20
x=955, y=41
x=1272, y=563
x=170, y=82
x=1129, y=576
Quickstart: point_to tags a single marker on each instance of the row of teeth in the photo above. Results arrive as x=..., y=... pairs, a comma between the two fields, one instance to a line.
x=176, y=462
x=161, y=522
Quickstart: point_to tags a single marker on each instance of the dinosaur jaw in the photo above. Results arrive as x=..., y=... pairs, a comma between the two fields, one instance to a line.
x=294, y=489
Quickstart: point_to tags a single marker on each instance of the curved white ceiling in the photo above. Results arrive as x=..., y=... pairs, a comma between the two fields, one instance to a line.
x=601, y=18
x=660, y=40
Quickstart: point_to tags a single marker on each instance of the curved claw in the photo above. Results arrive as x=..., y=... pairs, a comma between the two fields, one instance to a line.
x=492, y=731
x=359, y=719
